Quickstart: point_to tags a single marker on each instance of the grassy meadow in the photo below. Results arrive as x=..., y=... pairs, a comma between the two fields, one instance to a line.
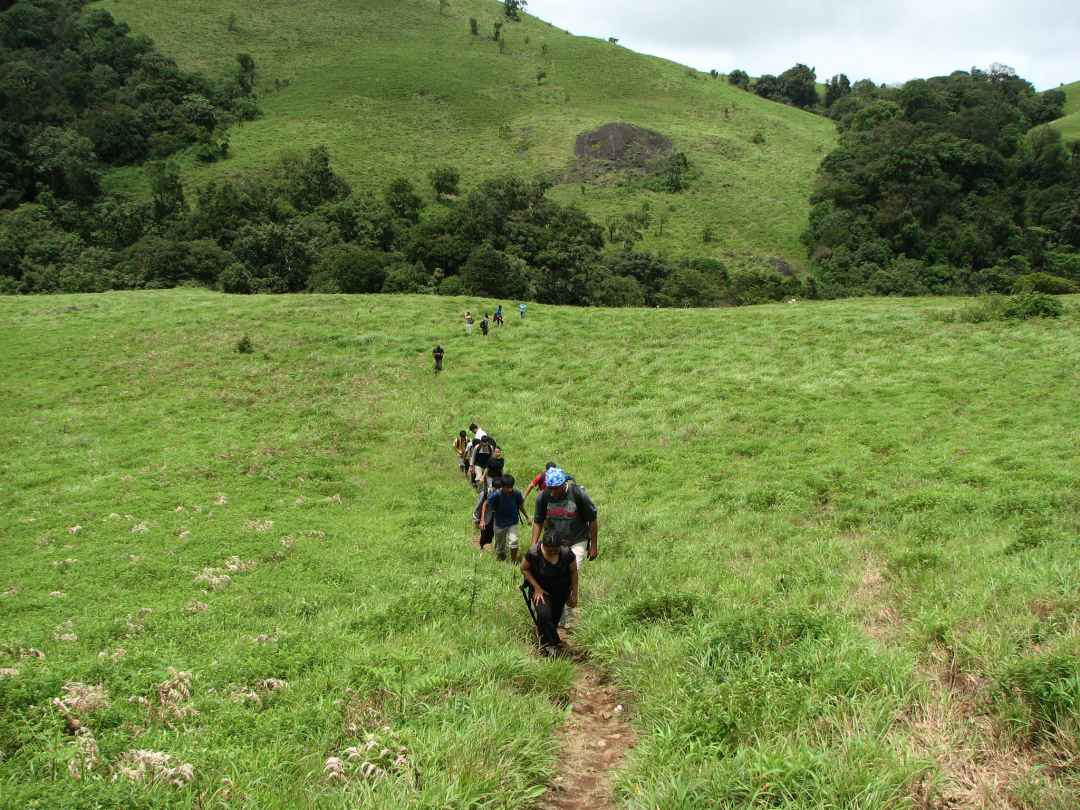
x=396, y=88
x=1069, y=124
x=839, y=553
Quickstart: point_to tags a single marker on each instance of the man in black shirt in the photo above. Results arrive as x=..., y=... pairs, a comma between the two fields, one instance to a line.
x=437, y=353
x=551, y=571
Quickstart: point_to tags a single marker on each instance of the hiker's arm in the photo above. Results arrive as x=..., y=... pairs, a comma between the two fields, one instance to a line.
x=572, y=599
x=483, y=513
x=539, y=516
x=535, y=534
x=528, y=489
x=594, y=549
x=538, y=592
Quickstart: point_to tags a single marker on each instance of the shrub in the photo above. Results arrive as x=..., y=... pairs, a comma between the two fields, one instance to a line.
x=235, y=279
x=474, y=26
x=1044, y=283
x=452, y=285
x=444, y=181
x=1008, y=308
x=1066, y=265
x=615, y=291
x=244, y=345
x=407, y=278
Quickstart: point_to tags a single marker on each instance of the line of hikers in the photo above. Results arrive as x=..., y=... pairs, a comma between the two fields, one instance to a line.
x=564, y=529
x=497, y=319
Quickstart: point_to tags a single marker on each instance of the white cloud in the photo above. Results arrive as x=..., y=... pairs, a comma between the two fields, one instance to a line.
x=887, y=42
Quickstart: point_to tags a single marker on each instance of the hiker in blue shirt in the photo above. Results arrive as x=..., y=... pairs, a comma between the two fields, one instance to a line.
x=521, y=311
x=505, y=503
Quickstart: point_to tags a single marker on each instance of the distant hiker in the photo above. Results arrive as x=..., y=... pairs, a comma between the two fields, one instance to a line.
x=460, y=443
x=468, y=323
x=565, y=512
x=551, y=572
x=438, y=353
x=484, y=324
x=477, y=432
x=505, y=503
x=538, y=483
x=498, y=315
x=521, y=311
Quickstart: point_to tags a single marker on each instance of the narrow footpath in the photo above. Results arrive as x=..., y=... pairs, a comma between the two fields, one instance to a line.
x=594, y=742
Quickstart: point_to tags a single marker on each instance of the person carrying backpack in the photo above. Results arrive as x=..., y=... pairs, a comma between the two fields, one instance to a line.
x=521, y=311
x=498, y=317
x=565, y=512
x=505, y=503
x=484, y=326
x=438, y=353
x=481, y=455
x=460, y=445
x=551, y=574
x=468, y=323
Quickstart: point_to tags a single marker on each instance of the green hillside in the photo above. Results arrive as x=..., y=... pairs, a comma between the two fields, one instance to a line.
x=394, y=87
x=1069, y=124
x=838, y=553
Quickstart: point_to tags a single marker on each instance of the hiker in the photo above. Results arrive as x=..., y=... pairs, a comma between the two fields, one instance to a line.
x=521, y=311
x=565, y=511
x=468, y=323
x=486, y=520
x=438, y=353
x=538, y=483
x=492, y=474
x=505, y=503
x=484, y=324
x=498, y=315
x=460, y=443
x=477, y=432
x=551, y=572
x=481, y=455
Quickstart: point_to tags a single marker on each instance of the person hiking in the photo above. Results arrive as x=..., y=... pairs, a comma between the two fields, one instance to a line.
x=460, y=443
x=486, y=521
x=484, y=324
x=538, y=483
x=481, y=455
x=438, y=353
x=477, y=432
x=505, y=503
x=492, y=475
x=468, y=323
x=498, y=315
x=521, y=311
x=551, y=571
x=565, y=511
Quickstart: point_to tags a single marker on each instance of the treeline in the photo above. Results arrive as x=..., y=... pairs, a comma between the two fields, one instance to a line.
x=298, y=227
x=79, y=94
x=946, y=185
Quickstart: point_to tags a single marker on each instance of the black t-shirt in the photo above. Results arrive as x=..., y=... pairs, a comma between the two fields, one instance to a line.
x=553, y=577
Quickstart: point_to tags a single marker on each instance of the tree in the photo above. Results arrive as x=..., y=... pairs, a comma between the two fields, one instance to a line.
x=739, y=78
x=66, y=164
x=245, y=74
x=403, y=201
x=167, y=190
x=799, y=86
x=836, y=88
x=350, y=269
x=444, y=181
x=513, y=8
x=770, y=87
x=491, y=272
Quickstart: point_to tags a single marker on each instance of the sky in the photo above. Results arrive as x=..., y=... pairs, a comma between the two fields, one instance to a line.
x=884, y=41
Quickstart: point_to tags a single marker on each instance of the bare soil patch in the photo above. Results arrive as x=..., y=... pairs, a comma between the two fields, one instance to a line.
x=594, y=743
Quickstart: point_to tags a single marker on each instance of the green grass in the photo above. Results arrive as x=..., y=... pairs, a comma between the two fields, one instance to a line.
x=838, y=548
x=1069, y=123
x=393, y=88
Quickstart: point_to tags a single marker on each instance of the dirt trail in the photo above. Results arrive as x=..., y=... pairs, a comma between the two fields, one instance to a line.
x=594, y=743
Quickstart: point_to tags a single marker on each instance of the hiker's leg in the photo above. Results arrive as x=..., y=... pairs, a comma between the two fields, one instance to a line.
x=500, y=544
x=512, y=537
x=580, y=555
x=546, y=619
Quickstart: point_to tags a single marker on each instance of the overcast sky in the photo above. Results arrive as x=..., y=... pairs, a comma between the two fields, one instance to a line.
x=884, y=41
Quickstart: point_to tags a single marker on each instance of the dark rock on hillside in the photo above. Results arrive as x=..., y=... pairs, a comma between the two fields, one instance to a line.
x=624, y=146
